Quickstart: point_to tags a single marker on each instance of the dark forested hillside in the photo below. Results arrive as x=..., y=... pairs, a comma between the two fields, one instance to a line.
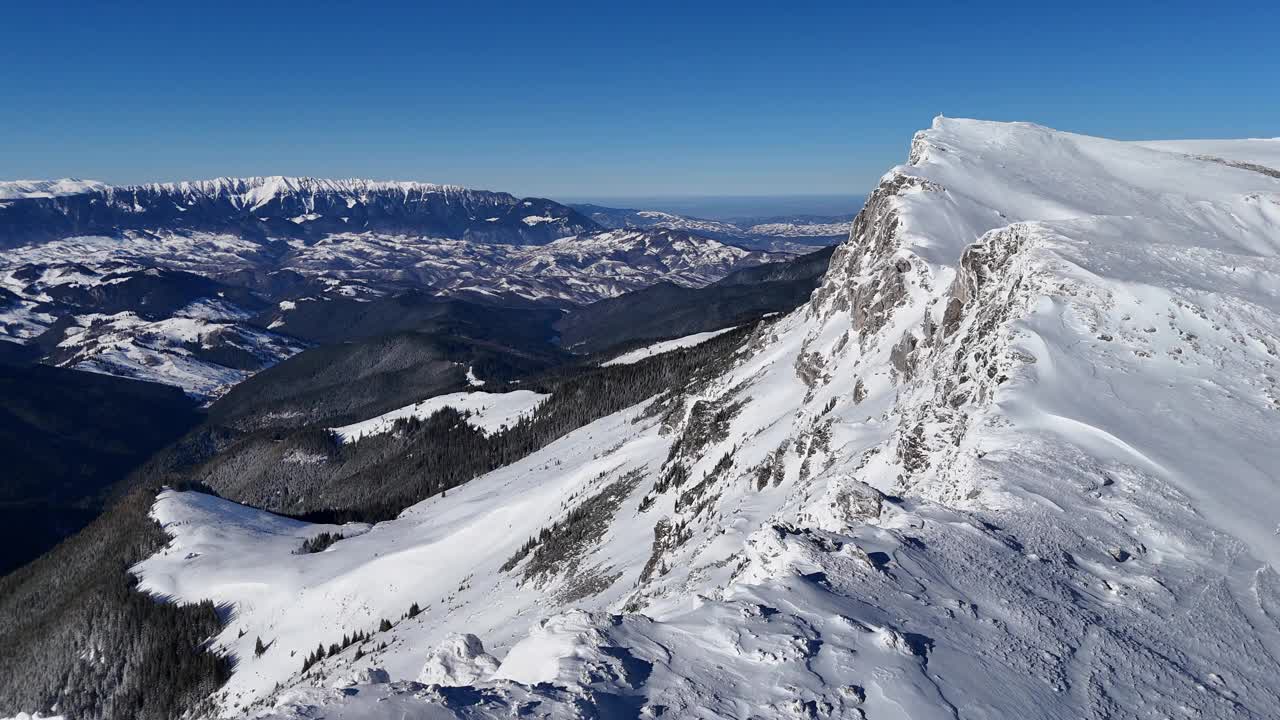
x=66, y=437
x=666, y=310
x=307, y=472
x=336, y=384
x=335, y=320
x=77, y=636
x=379, y=355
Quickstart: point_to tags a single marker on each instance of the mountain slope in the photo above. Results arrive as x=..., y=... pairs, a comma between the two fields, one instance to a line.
x=66, y=437
x=666, y=310
x=1010, y=460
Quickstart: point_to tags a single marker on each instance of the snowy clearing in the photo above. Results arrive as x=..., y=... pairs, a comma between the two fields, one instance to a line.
x=487, y=411
x=665, y=346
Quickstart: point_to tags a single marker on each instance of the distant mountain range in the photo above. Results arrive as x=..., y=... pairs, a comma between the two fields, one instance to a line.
x=265, y=208
x=788, y=233
x=305, y=208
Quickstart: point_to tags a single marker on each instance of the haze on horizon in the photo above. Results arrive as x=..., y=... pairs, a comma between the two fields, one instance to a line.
x=578, y=101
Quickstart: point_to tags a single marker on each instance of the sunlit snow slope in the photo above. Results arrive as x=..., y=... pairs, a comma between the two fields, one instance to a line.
x=634, y=356
x=487, y=411
x=1016, y=458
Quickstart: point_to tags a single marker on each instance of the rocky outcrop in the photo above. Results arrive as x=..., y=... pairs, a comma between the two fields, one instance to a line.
x=459, y=660
x=868, y=273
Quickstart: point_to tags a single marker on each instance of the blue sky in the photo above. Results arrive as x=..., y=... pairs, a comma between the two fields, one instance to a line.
x=603, y=99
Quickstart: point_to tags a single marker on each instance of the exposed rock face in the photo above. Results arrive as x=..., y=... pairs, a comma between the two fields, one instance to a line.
x=867, y=277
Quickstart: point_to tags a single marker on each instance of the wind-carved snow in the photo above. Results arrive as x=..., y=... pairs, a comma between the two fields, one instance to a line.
x=1013, y=459
x=486, y=411
x=666, y=346
x=1263, y=152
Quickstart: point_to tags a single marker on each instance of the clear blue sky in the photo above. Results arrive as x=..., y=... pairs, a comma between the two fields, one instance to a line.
x=603, y=99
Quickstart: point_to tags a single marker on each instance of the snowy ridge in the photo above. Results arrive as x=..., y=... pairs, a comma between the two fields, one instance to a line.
x=666, y=346
x=263, y=209
x=486, y=411
x=20, y=189
x=252, y=191
x=1265, y=152
x=279, y=185
x=1012, y=460
x=256, y=192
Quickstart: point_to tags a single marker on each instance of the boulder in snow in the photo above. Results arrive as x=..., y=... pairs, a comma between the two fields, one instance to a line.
x=459, y=660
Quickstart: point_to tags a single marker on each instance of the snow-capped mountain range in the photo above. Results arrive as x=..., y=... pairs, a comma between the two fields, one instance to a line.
x=1014, y=458
x=279, y=207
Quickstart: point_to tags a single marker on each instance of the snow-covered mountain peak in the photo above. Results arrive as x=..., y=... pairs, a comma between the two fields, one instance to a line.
x=276, y=207
x=253, y=187
x=1012, y=460
x=19, y=189
x=257, y=190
